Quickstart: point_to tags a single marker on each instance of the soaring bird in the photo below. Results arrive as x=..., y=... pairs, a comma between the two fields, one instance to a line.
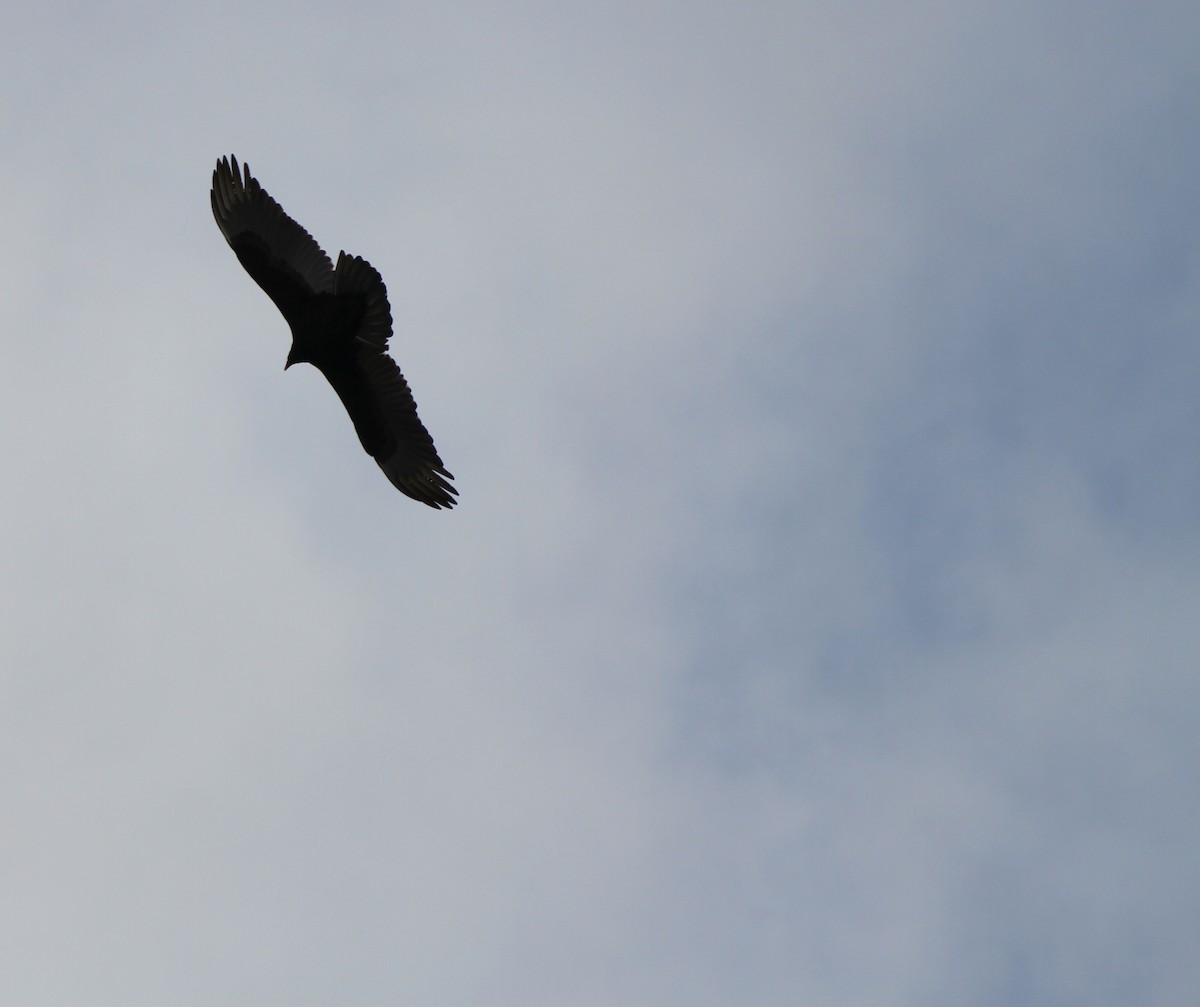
x=341, y=323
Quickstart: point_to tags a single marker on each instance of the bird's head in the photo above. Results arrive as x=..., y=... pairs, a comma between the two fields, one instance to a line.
x=301, y=350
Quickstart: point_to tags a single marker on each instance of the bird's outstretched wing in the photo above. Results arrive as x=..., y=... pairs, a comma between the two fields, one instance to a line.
x=277, y=252
x=377, y=397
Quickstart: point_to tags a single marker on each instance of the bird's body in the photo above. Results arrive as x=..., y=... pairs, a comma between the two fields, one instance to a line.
x=340, y=322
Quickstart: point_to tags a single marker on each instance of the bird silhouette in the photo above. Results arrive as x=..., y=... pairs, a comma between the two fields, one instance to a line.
x=340, y=322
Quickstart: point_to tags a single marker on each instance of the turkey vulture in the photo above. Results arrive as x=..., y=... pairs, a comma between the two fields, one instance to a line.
x=340, y=323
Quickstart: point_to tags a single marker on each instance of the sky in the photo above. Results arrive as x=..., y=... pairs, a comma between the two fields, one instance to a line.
x=818, y=625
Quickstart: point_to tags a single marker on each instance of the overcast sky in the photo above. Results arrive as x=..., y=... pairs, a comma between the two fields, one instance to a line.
x=820, y=622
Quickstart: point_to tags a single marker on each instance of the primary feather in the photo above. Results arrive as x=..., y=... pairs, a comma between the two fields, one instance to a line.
x=341, y=323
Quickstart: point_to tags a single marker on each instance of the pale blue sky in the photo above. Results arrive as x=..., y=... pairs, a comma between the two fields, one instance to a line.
x=819, y=622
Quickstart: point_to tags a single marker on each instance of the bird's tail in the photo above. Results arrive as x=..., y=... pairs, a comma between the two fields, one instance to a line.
x=355, y=275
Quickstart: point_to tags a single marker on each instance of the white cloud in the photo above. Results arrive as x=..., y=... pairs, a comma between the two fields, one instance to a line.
x=815, y=624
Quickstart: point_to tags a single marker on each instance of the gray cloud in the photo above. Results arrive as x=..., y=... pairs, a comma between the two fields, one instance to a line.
x=815, y=627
